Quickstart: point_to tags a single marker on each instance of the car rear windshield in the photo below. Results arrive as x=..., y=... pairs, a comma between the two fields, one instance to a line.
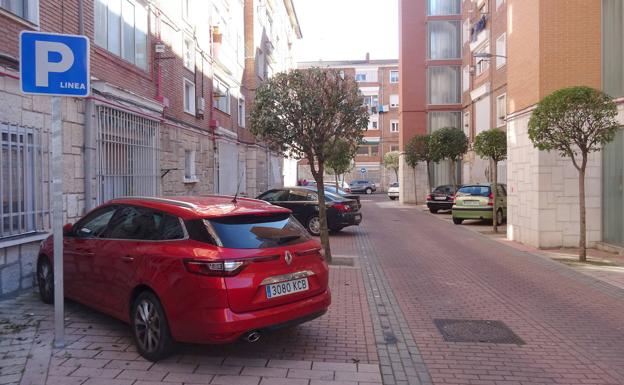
x=250, y=231
x=481, y=191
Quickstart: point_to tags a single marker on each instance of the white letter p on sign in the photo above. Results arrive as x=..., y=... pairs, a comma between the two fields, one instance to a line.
x=44, y=67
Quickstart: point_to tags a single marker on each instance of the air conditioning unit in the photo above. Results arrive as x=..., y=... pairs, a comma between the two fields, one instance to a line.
x=201, y=106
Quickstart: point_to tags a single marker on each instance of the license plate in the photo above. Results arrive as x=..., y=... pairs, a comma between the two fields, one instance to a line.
x=288, y=287
x=358, y=217
x=471, y=203
x=439, y=198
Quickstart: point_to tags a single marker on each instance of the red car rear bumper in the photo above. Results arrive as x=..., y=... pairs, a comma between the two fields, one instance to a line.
x=214, y=326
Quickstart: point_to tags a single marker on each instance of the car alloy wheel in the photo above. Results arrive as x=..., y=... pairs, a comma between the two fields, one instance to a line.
x=45, y=280
x=314, y=225
x=369, y=191
x=151, y=331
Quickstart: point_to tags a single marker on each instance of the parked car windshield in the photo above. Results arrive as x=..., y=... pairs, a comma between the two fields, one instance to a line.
x=395, y=184
x=334, y=190
x=256, y=232
x=481, y=191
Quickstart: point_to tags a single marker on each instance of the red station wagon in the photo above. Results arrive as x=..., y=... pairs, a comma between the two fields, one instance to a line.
x=190, y=269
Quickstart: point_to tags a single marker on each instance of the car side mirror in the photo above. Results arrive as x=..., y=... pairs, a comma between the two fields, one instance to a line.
x=67, y=229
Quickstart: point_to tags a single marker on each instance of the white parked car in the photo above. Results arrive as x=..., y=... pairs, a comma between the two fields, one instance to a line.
x=393, y=191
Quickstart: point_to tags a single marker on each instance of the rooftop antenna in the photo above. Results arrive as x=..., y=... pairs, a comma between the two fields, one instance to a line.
x=240, y=178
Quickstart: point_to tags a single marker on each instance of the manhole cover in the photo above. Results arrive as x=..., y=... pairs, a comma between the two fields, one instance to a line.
x=493, y=332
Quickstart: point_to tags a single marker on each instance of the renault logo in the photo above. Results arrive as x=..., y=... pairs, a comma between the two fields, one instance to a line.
x=288, y=257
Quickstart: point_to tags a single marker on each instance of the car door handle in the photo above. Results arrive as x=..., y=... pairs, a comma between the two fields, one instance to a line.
x=127, y=258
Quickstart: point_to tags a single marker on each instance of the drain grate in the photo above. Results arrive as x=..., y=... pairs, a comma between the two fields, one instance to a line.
x=485, y=331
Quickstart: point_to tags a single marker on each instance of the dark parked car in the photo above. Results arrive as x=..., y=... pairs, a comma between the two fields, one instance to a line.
x=304, y=204
x=343, y=193
x=362, y=186
x=441, y=198
x=190, y=269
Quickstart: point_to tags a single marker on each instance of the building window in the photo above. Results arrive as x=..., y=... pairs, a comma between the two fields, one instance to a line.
x=189, y=167
x=482, y=114
x=129, y=159
x=467, y=123
x=121, y=28
x=368, y=150
x=443, y=7
x=366, y=75
x=221, y=96
x=444, y=40
x=261, y=69
x=441, y=119
x=501, y=50
x=394, y=76
x=241, y=112
x=466, y=78
x=25, y=9
x=360, y=76
x=613, y=47
x=189, y=96
x=373, y=124
x=482, y=64
x=22, y=189
x=501, y=110
x=444, y=85
x=394, y=147
x=371, y=102
x=394, y=126
x=466, y=32
x=499, y=3
x=394, y=100
x=189, y=53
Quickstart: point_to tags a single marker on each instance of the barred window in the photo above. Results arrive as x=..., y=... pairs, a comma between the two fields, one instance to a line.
x=128, y=154
x=24, y=209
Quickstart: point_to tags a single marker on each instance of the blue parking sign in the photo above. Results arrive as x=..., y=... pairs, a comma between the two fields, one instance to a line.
x=54, y=64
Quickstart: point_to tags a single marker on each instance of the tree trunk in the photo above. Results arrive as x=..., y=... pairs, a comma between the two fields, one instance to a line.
x=429, y=177
x=396, y=173
x=583, y=222
x=318, y=177
x=494, y=182
x=454, y=175
x=336, y=183
x=415, y=184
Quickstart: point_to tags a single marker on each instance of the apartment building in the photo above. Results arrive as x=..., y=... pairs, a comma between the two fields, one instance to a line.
x=484, y=80
x=378, y=81
x=430, y=90
x=542, y=57
x=515, y=52
x=167, y=113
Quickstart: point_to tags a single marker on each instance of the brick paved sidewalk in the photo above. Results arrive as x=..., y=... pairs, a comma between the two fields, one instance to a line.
x=338, y=348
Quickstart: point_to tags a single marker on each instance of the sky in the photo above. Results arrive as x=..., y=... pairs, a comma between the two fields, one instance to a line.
x=347, y=29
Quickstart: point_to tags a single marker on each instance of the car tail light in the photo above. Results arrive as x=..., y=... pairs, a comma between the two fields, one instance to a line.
x=429, y=197
x=341, y=207
x=348, y=190
x=453, y=198
x=214, y=268
x=491, y=200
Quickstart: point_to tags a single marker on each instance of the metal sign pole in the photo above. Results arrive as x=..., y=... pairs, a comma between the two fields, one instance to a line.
x=56, y=145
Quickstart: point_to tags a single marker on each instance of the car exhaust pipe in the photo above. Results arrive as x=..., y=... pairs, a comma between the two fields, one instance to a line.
x=252, y=336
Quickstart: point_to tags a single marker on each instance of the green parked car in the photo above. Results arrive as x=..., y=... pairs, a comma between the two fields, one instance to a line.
x=477, y=201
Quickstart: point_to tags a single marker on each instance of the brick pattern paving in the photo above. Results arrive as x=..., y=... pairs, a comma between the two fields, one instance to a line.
x=572, y=324
x=338, y=348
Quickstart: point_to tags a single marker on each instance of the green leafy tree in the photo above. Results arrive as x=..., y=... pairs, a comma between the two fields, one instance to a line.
x=575, y=122
x=391, y=162
x=340, y=158
x=305, y=113
x=417, y=150
x=492, y=145
x=449, y=143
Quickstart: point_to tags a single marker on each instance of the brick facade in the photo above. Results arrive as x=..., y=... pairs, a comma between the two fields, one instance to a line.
x=128, y=97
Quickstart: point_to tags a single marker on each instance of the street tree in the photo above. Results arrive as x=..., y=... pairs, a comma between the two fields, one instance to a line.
x=492, y=145
x=305, y=113
x=449, y=143
x=391, y=162
x=418, y=150
x=340, y=158
x=575, y=122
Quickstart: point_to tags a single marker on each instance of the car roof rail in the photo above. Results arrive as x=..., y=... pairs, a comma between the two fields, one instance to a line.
x=160, y=200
